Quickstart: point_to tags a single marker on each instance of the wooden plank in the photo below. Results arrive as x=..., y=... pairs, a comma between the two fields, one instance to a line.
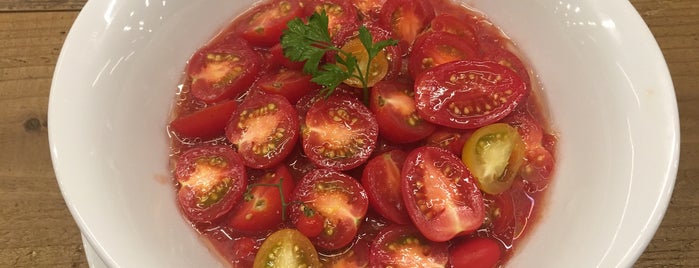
x=41, y=5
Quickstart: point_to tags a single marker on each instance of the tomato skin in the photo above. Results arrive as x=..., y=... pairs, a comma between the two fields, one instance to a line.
x=401, y=246
x=436, y=48
x=381, y=179
x=475, y=253
x=339, y=199
x=207, y=123
x=292, y=84
x=286, y=245
x=468, y=94
x=212, y=180
x=222, y=70
x=261, y=208
x=434, y=176
x=393, y=104
x=406, y=19
x=339, y=133
x=263, y=26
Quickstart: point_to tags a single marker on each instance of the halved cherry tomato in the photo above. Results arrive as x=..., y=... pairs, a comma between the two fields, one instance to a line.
x=406, y=19
x=377, y=69
x=339, y=199
x=292, y=84
x=499, y=219
x=223, y=70
x=277, y=57
x=381, y=179
x=209, y=122
x=212, y=180
x=506, y=58
x=494, y=154
x=286, y=248
x=393, y=103
x=339, y=133
x=401, y=246
x=342, y=17
x=468, y=94
x=456, y=25
x=261, y=207
x=538, y=165
x=355, y=257
x=450, y=139
x=263, y=25
x=440, y=194
x=475, y=252
x=436, y=48
x=264, y=128
x=368, y=7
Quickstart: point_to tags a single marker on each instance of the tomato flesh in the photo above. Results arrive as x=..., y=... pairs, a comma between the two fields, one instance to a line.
x=475, y=253
x=381, y=179
x=468, y=94
x=440, y=194
x=494, y=154
x=212, y=180
x=393, y=103
x=406, y=19
x=264, y=128
x=436, y=48
x=264, y=25
x=292, y=84
x=207, y=123
x=401, y=246
x=286, y=248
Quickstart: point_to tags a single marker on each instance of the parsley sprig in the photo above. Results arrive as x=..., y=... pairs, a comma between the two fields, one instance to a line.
x=310, y=42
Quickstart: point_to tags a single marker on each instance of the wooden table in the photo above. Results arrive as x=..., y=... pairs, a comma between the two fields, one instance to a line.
x=36, y=229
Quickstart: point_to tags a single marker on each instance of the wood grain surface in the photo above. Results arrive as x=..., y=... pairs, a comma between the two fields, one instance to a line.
x=36, y=229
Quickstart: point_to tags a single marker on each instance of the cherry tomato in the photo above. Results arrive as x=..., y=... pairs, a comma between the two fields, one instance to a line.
x=339, y=133
x=368, y=7
x=277, y=57
x=377, y=69
x=263, y=25
x=342, y=17
x=286, y=248
x=506, y=58
x=440, y=194
x=212, y=180
x=494, y=154
x=450, y=139
x=401, y=246
x=456, y=25
x=339, y=199
x=499, y=219
x=292, y=84
x=475, y=253
x=264, y=128
x=355, y=257
x=436, y=48
x=223, y=70
x=393, y=103
x=261, y=208
x=406, y=19
x=468, y=94
x=538, y=164
x=207, y=123
x=381, y=179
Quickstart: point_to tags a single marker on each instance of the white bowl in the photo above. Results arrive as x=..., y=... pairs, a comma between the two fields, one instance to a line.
x=608, y=90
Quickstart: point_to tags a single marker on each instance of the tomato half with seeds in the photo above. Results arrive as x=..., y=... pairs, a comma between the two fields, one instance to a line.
x=477, y=252
x=339, y=133
x=263, y=26
x=494, y=154
x=436, y=48
x=456, y=25
x=393, y=103
x=355, y=257
x=338, y=199
x=401, y=246
x=264, y=128
x=406, y=19
x=381, y=179
x=212, y=180
x=468, y=94
x=378, y=68
x=342, y=17
x=440, y=194
x=223, y=70
x=292, y=84
x=368, y=7
x=261, y=208
x=286, y=248
x=538, y=161
x=450, y=139
x=206, y=123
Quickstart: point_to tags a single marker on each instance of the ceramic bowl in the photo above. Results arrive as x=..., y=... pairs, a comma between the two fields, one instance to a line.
x=606, y=84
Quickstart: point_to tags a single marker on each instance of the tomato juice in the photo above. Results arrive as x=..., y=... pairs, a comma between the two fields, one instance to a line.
x=443, y=158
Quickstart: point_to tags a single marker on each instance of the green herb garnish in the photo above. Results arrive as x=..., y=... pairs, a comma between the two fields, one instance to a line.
x=310, y=41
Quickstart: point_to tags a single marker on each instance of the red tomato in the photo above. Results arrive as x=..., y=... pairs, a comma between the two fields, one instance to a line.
x=339, y=199
x=506, y=58
x=339, y=133
x=292, y=84
x=406, y=19
x=475, y=253
x=440, y=194
x=500, y=217
x=355, y=257
x=468, y=94
x=243, y=251
x=261, y=208
x=455, y=25
x=538, y=162
x=277, y=57
x=264, y=128
x=401, y=246
x=368, y=7
x=381, y=179
x=450, y=139
x=263, y=25
x=342, y=17
x=207, y=123
x=393, y=103
x=212, y=180
x=436, y=48
x=223, y=70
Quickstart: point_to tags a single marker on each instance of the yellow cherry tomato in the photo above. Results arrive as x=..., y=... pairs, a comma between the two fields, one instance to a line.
x=494, y=154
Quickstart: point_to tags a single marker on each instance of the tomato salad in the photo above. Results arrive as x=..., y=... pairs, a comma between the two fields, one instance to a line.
x=360, y=133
